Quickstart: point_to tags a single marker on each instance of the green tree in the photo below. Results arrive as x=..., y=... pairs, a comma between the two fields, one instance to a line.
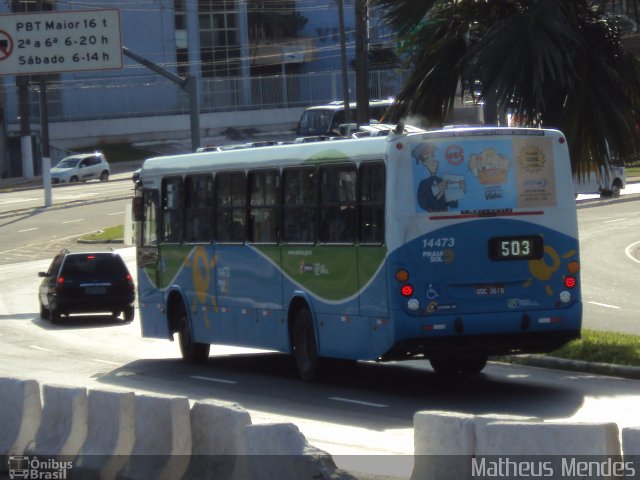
x=556, y=63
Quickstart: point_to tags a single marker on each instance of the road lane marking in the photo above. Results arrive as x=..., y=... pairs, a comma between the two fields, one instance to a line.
x=210, y=379
x=106, y=361
x=116, y=213
x=606, y=305
x=42, y=349
x=615, y=220
x=74, y=221
x=358, y=402
x=27, y=230
x=627, y=252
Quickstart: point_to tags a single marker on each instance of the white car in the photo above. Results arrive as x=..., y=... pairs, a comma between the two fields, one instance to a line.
x=80, y=168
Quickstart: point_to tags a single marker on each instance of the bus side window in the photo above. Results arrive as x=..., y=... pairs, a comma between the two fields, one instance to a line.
x=198, y=208
x=171, y=230
x=150, y=220
x=264, y=207
x=337, y=204
x=371, y=179
x=299, y=210
x=230, y=194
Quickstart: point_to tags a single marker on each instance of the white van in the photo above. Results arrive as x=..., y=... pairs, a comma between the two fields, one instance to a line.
x=608, y=181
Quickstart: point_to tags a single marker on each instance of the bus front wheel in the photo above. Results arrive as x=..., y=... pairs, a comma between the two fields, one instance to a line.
x=458, y=366
x=192, y=352
x=305, y=351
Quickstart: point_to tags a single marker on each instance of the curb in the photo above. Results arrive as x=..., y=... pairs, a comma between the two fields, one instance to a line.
x=542, y=361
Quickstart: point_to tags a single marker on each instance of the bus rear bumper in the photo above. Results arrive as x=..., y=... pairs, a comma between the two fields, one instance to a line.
x=480, y=345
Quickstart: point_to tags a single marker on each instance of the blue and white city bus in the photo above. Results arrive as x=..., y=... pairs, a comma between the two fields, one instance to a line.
x=451, y=246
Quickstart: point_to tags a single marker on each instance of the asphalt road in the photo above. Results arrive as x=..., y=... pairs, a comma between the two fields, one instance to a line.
x=364, y=408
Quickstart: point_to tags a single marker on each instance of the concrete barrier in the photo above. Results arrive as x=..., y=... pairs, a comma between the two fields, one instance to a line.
x=631, y=449
x=110, y=435
x=540, y=438
x=281, y=451
x=445, y=442
x=63, y=427
x=20, y=414
x=162, y=446
x=215, y=430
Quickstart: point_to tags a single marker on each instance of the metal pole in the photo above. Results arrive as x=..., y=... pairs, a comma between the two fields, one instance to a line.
x=194, y=111
x=362, y=80
x=44, y=141
x=343, y=58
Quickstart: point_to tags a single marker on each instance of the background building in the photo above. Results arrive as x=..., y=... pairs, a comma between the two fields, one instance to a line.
x=271, y=56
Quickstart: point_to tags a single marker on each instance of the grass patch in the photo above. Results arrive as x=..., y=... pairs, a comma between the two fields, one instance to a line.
x=107, y=235
x=120, y=152
x=602, y=347
x=633, y=171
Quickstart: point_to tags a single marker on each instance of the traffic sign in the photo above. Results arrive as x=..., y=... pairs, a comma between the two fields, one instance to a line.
x=62, y=41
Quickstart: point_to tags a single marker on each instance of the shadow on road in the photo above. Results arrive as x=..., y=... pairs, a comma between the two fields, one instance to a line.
x=269, y=382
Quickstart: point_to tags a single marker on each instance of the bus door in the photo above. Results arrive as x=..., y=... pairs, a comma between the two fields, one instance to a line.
x=148, y=265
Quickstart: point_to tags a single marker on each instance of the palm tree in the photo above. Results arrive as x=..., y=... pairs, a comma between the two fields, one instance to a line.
x=556, y=63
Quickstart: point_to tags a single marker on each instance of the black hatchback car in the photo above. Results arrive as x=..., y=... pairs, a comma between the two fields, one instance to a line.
x=93, y=282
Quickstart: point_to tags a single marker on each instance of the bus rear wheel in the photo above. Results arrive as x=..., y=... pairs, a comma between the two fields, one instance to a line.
x=192, y=352
x=459, y=366
x=305, y=351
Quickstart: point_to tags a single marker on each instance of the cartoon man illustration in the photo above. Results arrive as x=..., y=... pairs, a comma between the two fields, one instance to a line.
x=431, y=190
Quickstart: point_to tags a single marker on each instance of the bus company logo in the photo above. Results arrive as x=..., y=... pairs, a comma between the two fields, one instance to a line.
x=316, y=269
x=454, y=155
x=531, y=159
x=23, y=467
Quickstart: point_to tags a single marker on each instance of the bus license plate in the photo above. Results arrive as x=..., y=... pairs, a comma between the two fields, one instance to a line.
x=487, y=290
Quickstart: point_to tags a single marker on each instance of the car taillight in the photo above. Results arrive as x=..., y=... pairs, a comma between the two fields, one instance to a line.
x=129, y=280
x=59, y=285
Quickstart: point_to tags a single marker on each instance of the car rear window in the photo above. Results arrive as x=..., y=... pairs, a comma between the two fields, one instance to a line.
x=91, y=266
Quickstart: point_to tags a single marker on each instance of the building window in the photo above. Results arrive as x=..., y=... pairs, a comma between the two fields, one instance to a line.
x=219, y=38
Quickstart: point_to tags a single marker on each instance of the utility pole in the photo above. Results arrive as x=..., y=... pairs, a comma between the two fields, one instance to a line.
x=25, y=129
x=343, y=62
x=44, y=134
x=362, y=78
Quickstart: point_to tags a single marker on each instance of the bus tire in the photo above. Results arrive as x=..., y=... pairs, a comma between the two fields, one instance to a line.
x=192, y=352
x=458, y=366
x=305, y=350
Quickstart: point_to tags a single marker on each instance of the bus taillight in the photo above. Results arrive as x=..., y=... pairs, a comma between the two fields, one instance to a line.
x=402, y=276
x=570, y=282
x=406, y=290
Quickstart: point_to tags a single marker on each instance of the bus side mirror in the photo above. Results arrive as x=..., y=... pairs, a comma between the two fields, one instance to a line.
x=137, y=209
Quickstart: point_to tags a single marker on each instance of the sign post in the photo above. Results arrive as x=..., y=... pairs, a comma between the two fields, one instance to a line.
x=57, y=42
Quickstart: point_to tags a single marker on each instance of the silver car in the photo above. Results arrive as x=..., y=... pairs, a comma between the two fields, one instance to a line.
x=80, y=168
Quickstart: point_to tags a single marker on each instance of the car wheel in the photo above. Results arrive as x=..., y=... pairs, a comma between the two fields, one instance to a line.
x=128, y=315
x=459, y=366
x=44, y=312
x=617, y=187
x=192, y=352
x=104, y=176
x=305, y=351
x=73, y=179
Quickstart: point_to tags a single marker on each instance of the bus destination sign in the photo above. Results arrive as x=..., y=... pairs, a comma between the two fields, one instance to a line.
x=63, y=41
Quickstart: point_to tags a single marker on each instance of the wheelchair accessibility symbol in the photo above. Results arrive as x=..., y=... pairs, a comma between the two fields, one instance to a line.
x=6, y=45
x=432, y=293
